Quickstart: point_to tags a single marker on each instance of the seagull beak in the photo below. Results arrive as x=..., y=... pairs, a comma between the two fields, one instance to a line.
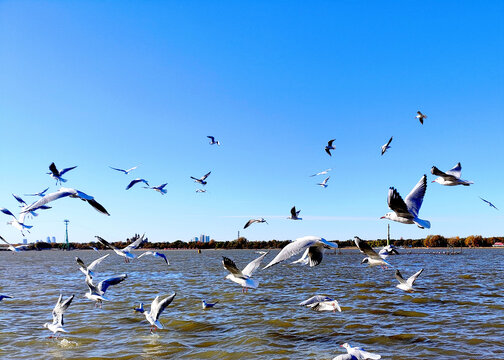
x=432, y=181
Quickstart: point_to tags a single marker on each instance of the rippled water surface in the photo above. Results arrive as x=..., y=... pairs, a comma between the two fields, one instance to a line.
x=457, y=311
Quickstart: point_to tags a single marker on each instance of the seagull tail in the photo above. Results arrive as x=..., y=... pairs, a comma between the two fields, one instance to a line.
x=422, y=223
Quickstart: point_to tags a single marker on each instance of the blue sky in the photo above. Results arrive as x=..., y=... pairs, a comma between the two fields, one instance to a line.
x=108, y=83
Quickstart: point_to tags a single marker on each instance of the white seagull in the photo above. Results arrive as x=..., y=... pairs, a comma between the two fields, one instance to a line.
x=321, y=303
x=421, y=116
x=160, y=189
x=155, y=254
x=57, y=174
x=206, y=305
x=136, y=181
x=385, y=147
x=89, y=269
x=451, y=177
x=41, y=194
x=157, y=307
x=212, y=141
x=201, y=191
x=97, y=292
x=124, y=171
x=201, y=180
x=406, y=285
x=388, y=250
x=126, y=252
x=406, y=211
x=372, y=258
x=24, y=205
x=18, y=224
x=251, y=221
x=57, y=324
x=330, y=147
x=324, y=183
x=243, y=277
x=321, y=173
x=314, y=244
x=358, y=353
x=11, y=248
x=489, y=203
x=64, y=192
x=294, y=214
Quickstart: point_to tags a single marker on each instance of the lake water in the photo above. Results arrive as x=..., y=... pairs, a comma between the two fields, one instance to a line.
x=457, y=311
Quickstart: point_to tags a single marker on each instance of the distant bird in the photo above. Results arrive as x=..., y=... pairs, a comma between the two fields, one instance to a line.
x=385, y=147
x=294, y=214
x=57, y=174
x=251, y=221
x=358, y=353
x=136, y=181
x=201, y=180
x=57, y=324
x=321, y=303
x=201, y=191
x=206, y=305
x=157, y=307
x=160, y=189
x=97, y=292
x=406, y=211
x=126, y=252
x=41, y=194
x=5, y=297
x=324, y=183
x=243, y=277
x=421, y=116
x=321, y=173
x=406, y=285
x=212, y=141
x=489, y=203
x=315, y=245
x=124, y=171
x=155, y=254
x=64, y=192
x=330, y=147
x=451, y=177
x=388, y=250
x=372, y=258
x=10, y=247
x=89, y=269
x=18, y=224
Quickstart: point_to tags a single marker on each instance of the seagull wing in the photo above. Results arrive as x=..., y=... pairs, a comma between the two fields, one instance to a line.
x=230, y=266
x=5, y=241
x=329, y=143
x=390, y=140
x=135, y=244
x=7, y=212
x=81, y=263
x=54, y=170
x=455, y=171
x=327, y=151
x=397, y=204
x=315, y=299
x=66, y=170
x=63, y=192
x=121, y=170
x=293, y=248
x=157, y=307
x=293, y=212
x=131, y=169
x=437, y=172
x=97, y=262
x=60, y=308
x=415, y=197
x=205, y=176
x=145, y=253
x=211, y=138
x=38, y=194
x=103, y=285
x=399, y=277
x=19, y=200
x=411, y=280
x=251, y=221
x=365, y=248
x=315, y=253
x=253, y=265
x=133, y=182
x=105, y=243
x=95, y=204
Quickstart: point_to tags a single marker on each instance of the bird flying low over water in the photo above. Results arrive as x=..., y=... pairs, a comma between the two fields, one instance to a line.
x=387, y=146
x=155, y=254
x=406, y=285
x=451, y=177
x=213, y=141
x=321, y=173
x=356, y=353
x=201, y=180
x=372, y=258
x=406, y=211
x=489, y=203
x=18, y=224
x=126, y=252
x=57, y=174
x=97, y=292
x=10, y=247
x=251, y=221
x=421, y=116
x=124, y=171
x=157, y=307
x=330, y=147
x=136, y=181
x=61, y=306
x=315, y=245
x=64, y=192
x=206, y=305
x=41, y=194
x=294, y=214
x=89, y=269
x=243, y=277
x=324, y=183
x=321, y=303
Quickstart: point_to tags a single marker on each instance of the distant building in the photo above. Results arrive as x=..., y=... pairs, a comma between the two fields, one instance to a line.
x=202, y=238
x=48, y=239
x=54, y=239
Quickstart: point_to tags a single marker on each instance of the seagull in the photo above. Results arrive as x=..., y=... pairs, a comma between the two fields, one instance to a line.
x=11, y=248
x=137, y=180
x=385, y=147
x=155, y=254
x=324, y=183
x=372, y=258
x=251, y=221
x=57, y=175
x=243, y=277
x=206, y=305
x=57, y=313
x=24, y=205
x=126, y=252
x=344, y=357
x=18, y=224
x=406, y=285
x=64, y=192
x=315, y=245
x=421, y=116
x=406, y=211
x=97, y=292
x=160, y=189
x=5, y=297
x=212, y=141
x=89, y=269
x=321, y=303
x=294, y=214
x=330, y=147
x=321, y=173
x=41, y=194
x=201, y=191
x=157, y=307
x=388, y=250
x=201, y=180
x=489, y=203
x=124, y=171
x=359, y=353
x=451, y=177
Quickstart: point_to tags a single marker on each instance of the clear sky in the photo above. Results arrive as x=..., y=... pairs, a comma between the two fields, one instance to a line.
x=125, y=83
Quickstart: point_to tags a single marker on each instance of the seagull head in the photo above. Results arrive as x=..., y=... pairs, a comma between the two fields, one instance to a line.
x=345, y=345
x=46, y=325
x=390, y=215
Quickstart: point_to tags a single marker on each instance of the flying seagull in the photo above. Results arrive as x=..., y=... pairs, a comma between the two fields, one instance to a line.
x=11, y=248
x=157, y=307
x=24, y=205
x=201, y=191
x=406, y=285
x=489, y=203
x=321, y=173
x=321, y=303
x=372, y=258
x=243, y=277
x=206, y=305
x=251, y=221
x=201, y=180
x=97, y=292
x=451, y=177
x=324, y=183
x=160, y=189
x=18, y=224
x=212, y=141
x=358, y=353
x=133, y=182
x=421, y=116
x=64, y=192
x=41, y=194
x=330, y=147
x=57, y=324
x=57, y=174
x=89, y=269
x=124, y=171
x=294, y=214
x=155, y=254
x=406, y=211
x=5, y=297
x=126, y=252
x=385, y=147
x=315, y=245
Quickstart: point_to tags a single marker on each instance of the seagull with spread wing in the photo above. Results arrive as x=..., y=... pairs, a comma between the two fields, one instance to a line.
x=57, y=174
x=136, y=181
x=57, y=324
x=321, y=173
x=243, y=277
x=324, y=183
x=89, y=268
x=294, y=214
x=124, y=171
x=97, y=292
x=251, y=221
x=489, y=203
x=385, y=147
x=406, y=285
x=41, y=194
x=213, y=141
x=330, y=147
x=421, y=116
x=157, y=307
x=357, y=353
x=321, y=303
x=202, y=179
x=155, y=254
x=126, y=252
x=160, y=189
x=372, y=258
x=10, y=247
x=17, y=223
x=450, y=177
